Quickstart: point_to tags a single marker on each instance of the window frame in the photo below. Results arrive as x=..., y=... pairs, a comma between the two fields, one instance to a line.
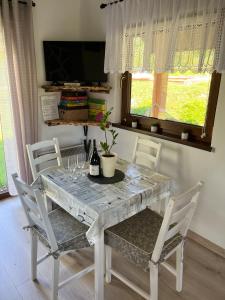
x=171, y=130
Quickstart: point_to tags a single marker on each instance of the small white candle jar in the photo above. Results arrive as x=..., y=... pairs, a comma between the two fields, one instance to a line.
x=184, y=136
x=154, y=128
x=134, y=124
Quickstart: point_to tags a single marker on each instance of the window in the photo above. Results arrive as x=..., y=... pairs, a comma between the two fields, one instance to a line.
x=175, y=101
x=175, y=96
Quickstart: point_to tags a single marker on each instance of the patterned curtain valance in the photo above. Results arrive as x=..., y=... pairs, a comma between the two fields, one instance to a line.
x=165, y=36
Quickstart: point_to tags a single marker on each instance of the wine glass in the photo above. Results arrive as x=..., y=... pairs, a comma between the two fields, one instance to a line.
x=83, y=163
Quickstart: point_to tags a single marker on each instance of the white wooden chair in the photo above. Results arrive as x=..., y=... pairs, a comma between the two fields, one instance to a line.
x=36, y=162
x=148, y=240
x=147, y=153
x=59, y=232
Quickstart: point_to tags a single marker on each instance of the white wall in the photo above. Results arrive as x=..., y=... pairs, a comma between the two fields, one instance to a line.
x=55, y=20
x=91, y=21
x=185, y=164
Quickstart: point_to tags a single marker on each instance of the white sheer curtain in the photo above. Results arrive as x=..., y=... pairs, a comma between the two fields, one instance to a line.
x=165, y=36
x=17, y=26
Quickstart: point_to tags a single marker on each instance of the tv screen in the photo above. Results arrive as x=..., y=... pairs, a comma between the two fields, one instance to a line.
x=74, y=61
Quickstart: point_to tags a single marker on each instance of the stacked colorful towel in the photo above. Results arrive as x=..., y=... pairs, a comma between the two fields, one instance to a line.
x=74, y=100
x=73, y=106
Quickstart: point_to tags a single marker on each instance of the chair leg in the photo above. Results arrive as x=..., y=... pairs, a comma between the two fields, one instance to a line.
x=108, y=263
x=158, y=208
x=179, y=268
x=162, y=204
x=55, y=278
x=153, y=281
x=34, y=246
x=48, y=203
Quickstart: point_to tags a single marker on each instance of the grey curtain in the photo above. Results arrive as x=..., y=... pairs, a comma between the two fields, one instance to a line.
x=19, y=44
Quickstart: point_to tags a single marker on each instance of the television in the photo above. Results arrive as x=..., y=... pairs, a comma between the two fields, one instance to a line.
x=74, y=61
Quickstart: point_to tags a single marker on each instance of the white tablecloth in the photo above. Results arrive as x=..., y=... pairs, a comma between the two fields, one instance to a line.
x=103, y=205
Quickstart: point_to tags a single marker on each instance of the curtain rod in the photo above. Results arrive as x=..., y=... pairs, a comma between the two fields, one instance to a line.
x=104, y=5
x=24, y=2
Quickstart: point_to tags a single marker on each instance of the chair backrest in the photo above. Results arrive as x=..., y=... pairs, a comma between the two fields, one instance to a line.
x=35, y=210
x=36, y=162
x=147, y=153
x=177, y=218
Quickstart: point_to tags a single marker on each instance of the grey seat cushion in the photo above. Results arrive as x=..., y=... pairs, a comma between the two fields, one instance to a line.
x=135, y=237
x=70, y=233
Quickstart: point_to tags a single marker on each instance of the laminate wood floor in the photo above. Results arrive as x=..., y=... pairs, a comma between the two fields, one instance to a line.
x=204, y=272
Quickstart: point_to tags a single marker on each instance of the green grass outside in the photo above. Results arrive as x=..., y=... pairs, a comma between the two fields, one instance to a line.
x=3, y=180
x=185, y=103
x=4, y=94
x=141, y=97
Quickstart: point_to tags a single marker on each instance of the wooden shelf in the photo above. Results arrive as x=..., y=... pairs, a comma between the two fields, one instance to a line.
x=74, y=123
x=168, y=137
x=93, y=89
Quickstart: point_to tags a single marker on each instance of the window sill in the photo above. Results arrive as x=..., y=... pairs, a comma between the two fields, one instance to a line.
x=4, y=195
x=167, y=137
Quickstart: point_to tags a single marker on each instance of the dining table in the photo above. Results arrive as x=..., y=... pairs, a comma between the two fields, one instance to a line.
x=101, y=206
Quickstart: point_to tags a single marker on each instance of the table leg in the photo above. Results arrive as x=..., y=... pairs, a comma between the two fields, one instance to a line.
x=162, y=202
x=99, y=266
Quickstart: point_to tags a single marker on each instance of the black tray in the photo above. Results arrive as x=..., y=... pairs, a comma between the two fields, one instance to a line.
x=119, y=176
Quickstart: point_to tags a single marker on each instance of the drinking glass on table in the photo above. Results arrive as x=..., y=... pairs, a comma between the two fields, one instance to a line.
x=81, y=160
x=72, y=164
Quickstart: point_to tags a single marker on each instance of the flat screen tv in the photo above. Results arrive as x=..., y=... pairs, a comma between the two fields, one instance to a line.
x=74, y=61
